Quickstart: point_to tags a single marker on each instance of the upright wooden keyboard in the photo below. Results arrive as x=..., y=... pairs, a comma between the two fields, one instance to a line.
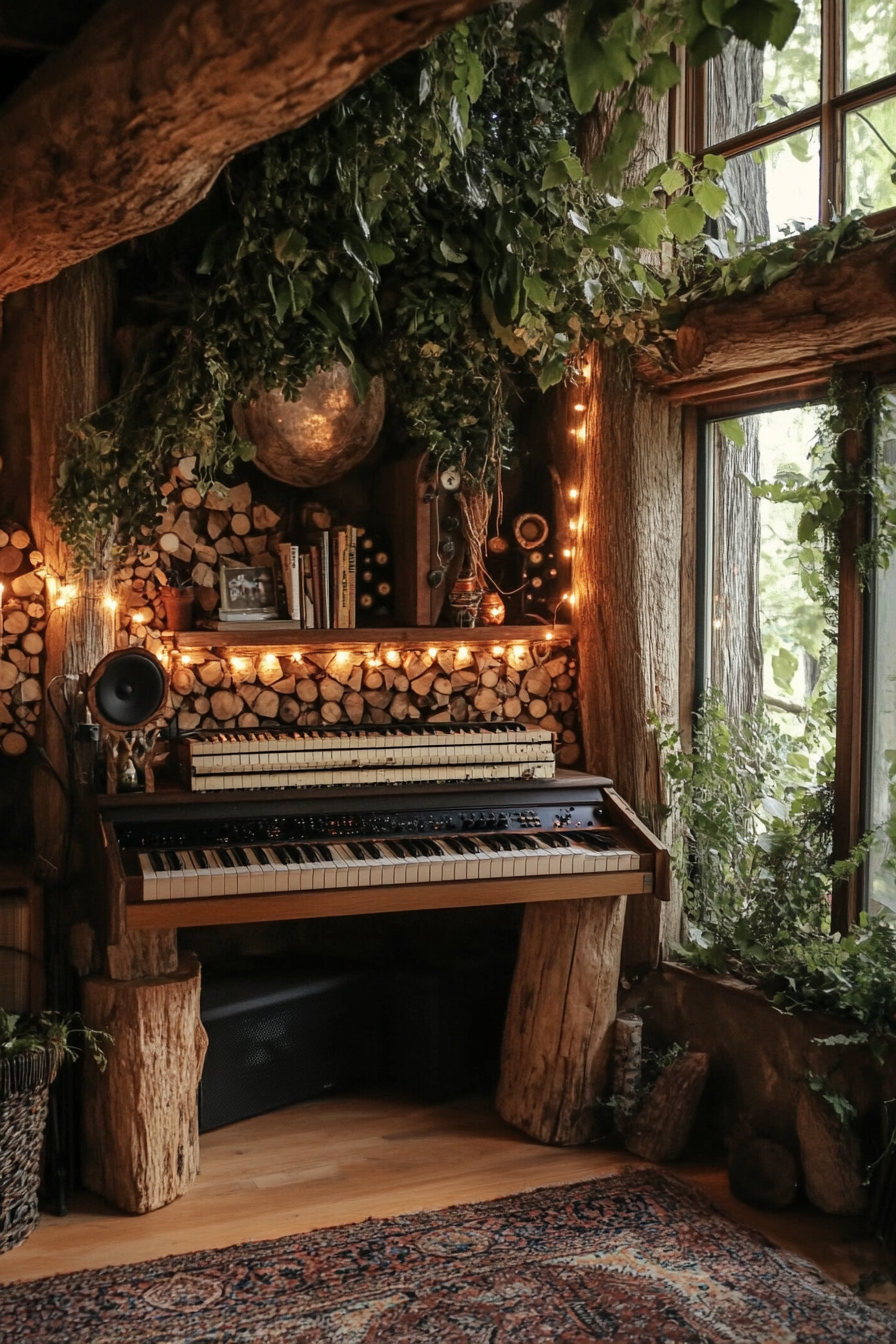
x=186, y=860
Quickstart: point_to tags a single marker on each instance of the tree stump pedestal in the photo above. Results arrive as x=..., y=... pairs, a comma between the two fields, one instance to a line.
x=141, y=1124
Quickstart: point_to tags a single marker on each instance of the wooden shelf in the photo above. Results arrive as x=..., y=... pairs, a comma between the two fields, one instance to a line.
x=443, y=636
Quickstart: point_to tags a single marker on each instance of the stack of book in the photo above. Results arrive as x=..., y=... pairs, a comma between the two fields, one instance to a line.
x=320, y=578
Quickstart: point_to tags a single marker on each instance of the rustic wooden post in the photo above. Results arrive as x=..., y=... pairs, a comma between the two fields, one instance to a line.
x=141, y=1134
x=558, y=1038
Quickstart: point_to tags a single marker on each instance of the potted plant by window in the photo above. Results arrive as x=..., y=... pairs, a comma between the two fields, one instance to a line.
x=799, y=1020
x=31, y=1051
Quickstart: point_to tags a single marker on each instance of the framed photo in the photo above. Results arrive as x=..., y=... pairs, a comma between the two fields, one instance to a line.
x=248, y=591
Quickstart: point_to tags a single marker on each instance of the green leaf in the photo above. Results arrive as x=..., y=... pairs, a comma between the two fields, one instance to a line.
x=450, y=254
x=733, y=431
x=290, y=246
x=652, y=227
x=475, y=77
x=661, y=75
x=360, y=379
x=784, y=665
x=672, y=180
x=559, y=150
x=685, y=218
x=552, y=371
x=555, y=175
x=282, y=296
x=714, y=162
x=381, y=253
x=710, y=197
x=785, y=20
x=536, y=291
x=301, y=292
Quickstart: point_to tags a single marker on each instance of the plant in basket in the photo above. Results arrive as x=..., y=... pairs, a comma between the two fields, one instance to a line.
x=31, y=1051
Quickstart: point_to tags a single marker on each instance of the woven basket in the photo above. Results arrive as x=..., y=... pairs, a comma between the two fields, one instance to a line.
x=24, y=1091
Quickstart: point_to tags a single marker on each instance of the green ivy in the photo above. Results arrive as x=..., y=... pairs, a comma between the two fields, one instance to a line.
x=756, y=872
x=435, y=226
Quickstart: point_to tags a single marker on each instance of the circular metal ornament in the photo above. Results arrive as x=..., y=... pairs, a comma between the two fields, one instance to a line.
x=530, y=530
x=318, y=437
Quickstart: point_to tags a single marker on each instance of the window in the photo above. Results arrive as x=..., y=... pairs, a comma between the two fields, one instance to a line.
x=880, y=708
x=765, y=641
x=809, y=132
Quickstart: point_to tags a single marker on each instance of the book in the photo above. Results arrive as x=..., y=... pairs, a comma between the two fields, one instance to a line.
x=352, y=577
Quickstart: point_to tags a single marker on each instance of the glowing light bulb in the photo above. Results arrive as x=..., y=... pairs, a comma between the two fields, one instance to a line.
x=567, y=552
x=518, y=650
x=549, y=636
x=463, y=651
x=497, y=650
x=269, y=661
x=297, y=657
x=572, y=599
x=110, y=603
x=573, y=494
x=393, y=658
x=138, y=618
x=586, y=370
x=341, y=656
x=581, y=432
x=579, y=406
x=186, y=659
x=432, y=652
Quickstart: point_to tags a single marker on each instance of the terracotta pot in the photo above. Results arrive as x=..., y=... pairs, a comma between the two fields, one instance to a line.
x=178, y=607
x=320, y=436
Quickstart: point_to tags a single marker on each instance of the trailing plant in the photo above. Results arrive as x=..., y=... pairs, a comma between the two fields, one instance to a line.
x=833, y=486
x=21, y=1034
x=756, y=871
x=436, y=226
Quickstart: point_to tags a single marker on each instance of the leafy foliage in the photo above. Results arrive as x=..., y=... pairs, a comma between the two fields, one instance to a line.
x=436, y=226
x=21, y=1034
x=756, y=870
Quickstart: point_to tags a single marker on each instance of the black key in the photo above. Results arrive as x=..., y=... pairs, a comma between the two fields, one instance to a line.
x=225, y=858
x=174, y=862
x=239, y=859
x=158, y=863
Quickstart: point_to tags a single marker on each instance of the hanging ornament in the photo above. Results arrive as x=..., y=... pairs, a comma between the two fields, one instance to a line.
x=492, y=610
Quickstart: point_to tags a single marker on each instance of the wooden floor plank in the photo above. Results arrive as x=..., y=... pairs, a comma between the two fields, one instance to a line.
x=342, y=1159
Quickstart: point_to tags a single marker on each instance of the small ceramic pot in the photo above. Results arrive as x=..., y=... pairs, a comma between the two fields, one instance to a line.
x=178, y=607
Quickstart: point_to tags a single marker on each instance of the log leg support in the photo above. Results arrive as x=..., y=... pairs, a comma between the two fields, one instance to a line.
x=558, y=1037
x=141, y=1131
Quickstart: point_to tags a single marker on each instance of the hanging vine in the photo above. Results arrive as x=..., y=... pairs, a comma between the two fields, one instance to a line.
x=437, y=227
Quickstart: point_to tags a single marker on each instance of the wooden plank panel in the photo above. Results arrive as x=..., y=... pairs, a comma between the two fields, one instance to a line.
x=443, y=636
x=377, y=900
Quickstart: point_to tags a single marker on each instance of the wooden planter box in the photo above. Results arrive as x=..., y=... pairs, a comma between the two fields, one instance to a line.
x=759, y=1056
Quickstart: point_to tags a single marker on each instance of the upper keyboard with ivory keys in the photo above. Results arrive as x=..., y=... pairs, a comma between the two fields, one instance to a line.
x=274, y=758
x=182, y=860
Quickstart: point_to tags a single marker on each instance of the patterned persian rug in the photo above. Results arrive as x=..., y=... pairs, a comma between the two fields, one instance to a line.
x=637, y=1258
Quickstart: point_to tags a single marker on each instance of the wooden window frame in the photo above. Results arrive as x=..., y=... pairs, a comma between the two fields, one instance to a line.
x=855, y=617
x=828, y=115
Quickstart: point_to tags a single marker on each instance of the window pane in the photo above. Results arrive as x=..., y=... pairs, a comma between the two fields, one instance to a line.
x=767, y=630
x=747, y=88
x=773, y=191
x=870, y=153
x=881, y=878
x=870, y=40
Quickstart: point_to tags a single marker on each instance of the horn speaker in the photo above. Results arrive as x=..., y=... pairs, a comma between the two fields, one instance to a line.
x=127, y=689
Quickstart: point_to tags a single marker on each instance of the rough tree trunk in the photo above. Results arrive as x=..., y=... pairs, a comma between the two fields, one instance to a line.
x=736, y=664
x=128, y=126
x=141, y=1132
x=627, y=468
x=558, y=1041
x=53, y=370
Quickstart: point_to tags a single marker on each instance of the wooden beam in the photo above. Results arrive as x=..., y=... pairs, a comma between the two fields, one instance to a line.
x=846, y=896
x=128, y=127
x=823, y=315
